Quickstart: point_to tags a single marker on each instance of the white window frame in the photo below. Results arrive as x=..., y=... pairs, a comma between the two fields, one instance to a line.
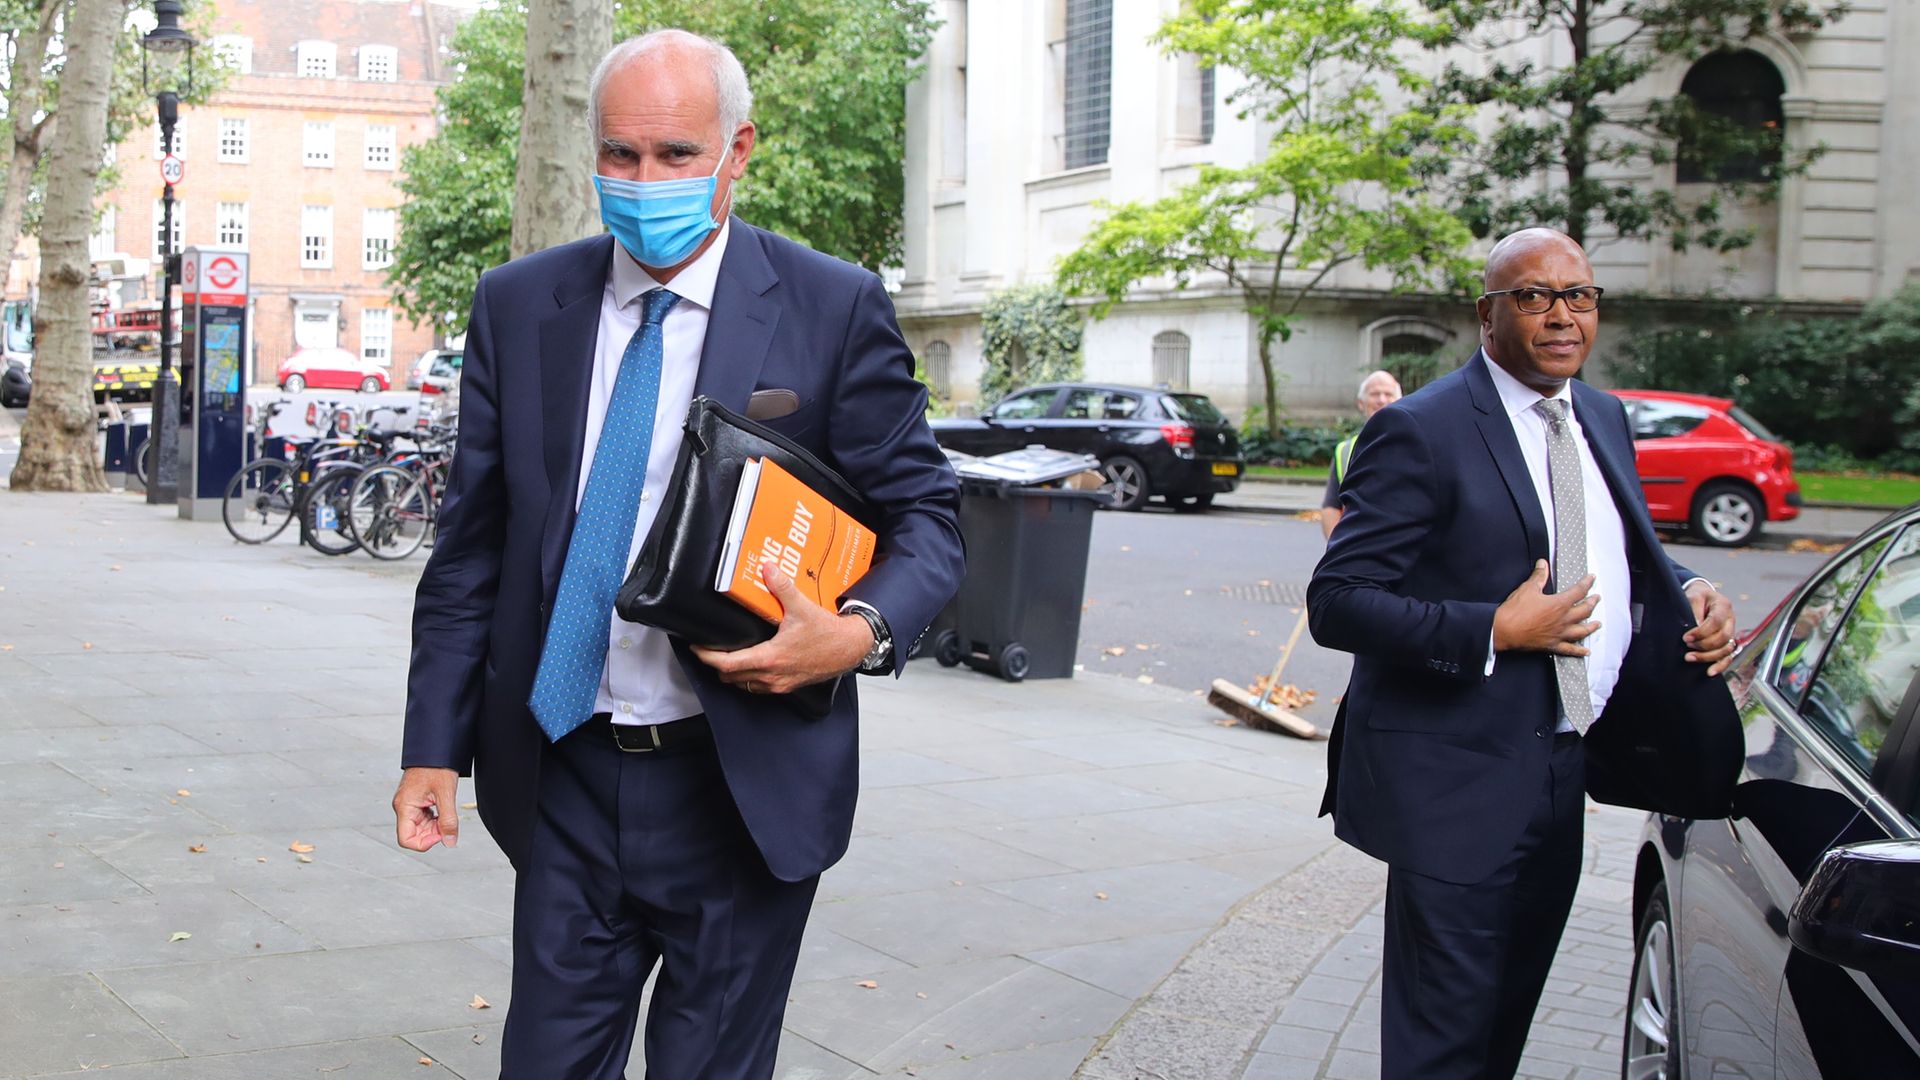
x=179, y=225
x=230, y=224
x=316, y=59
x=379, y=63
x=376, y=335
x=316, y=237
x=236, y=140
x=102, y=242
x=316, y=144
x=236, y=50
x=380, y=154
x=376, y=247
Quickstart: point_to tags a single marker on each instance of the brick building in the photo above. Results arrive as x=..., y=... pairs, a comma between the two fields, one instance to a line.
x=295, y=161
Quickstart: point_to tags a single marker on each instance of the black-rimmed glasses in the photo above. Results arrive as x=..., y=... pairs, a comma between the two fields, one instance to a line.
x=1536, y=300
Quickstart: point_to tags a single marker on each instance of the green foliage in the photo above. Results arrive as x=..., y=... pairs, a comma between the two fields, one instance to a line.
x=1415, y=370
x=829, y=79
x=1554, y=121
x=1845, y=383
x=1028, y=335
x=1292, y=444
x=1345, y=180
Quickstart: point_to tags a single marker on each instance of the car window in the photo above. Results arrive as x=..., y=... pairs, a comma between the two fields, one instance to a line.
x=1027, y=406
x=1754, y=427
x=1865, y=672
x=442, y=367
x=1665, y=419
x=1812, y=625
x=1193, y=408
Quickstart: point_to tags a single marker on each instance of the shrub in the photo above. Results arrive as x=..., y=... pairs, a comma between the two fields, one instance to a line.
x=1028, y=335
x=1295, y=444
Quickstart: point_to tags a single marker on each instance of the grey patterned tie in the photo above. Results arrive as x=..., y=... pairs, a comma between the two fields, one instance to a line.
x=1570, y=549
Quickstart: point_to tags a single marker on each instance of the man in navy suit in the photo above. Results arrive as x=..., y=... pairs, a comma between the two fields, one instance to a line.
x=1520, y=639
x=662, y=803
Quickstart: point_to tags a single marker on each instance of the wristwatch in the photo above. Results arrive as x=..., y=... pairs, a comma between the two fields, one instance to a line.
x=876, y=657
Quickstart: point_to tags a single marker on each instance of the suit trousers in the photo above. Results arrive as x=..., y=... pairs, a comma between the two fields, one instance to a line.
x=641, y=859
x=1465, y=964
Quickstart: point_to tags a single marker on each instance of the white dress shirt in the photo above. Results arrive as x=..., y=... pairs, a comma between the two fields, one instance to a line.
x=642, y=682
x=1606, y=533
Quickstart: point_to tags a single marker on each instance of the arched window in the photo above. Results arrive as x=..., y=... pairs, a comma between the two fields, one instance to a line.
x=1742, y=90
x=937, y=368
x=1172, y=353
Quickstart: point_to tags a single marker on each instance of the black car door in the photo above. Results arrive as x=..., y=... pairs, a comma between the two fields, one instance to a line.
x=1016, y=421
x=1797, y=795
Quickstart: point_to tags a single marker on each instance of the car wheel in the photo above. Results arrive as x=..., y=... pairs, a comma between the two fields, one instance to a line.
x=370, y=385
x=294, y=384
x=1192, y=504
x=1727, y=515
x=1126, y=485
x=1651, y=1048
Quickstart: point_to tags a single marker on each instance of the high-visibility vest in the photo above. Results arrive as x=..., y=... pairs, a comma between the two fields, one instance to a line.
x=1342, y=454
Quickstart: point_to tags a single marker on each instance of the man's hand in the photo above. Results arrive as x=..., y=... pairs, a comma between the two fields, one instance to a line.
x=1532, y=618
x=812, y=645
x=1711, y=642
x=424, y=811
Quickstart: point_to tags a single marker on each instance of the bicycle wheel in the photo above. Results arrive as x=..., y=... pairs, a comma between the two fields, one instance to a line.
x=390, y=511
x=326, y=516
x=259, y=501
x=143, y=462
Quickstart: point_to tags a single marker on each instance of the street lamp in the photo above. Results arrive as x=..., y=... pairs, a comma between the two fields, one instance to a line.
x=167, y=41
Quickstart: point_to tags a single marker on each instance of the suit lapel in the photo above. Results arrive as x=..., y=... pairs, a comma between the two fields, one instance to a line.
x=567, y=340
x=1496, y=430
x=741, y=325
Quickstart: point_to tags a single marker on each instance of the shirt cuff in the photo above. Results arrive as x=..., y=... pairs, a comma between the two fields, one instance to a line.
x=1490, y=653
x=1687, y=584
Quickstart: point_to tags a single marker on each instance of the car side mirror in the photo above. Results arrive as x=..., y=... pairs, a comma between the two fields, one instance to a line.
x=988, y=418
x=1861, y=908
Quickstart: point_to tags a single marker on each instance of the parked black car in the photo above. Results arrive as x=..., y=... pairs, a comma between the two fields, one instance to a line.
x=1785, y=942
x=16, y=382
x=1151, y=443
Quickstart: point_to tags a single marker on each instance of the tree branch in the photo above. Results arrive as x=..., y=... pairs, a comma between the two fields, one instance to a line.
x=1300, y=294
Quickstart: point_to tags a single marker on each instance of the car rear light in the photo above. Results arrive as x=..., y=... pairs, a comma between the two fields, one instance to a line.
x=1180, y=437
x=313, y=413
x=1782, y=458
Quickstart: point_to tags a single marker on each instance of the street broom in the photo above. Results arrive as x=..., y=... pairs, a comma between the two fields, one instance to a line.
x=1261, y=710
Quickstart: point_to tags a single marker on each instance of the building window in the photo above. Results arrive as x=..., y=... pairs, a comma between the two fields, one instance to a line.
x=179, y=143
x=230, y=227
x=1089, y=82
x=318, y=145
x=376, y=335
x=379, y=63
x=381, y=140
x=159, y=230
x=938, y=370
x=1739, y=132
x=233, y=139
x=377, y=231
x=236, y=51
x=101, y=243
x=314, y=59
x=316, y=237
x=1172, y=356
x=1206, y=103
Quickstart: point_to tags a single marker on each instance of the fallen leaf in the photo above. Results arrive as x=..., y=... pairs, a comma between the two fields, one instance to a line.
x=478, y=1002
x=1099, y=896
x=59, y=866
x=1305, y=515
x=178, y=935
x=1805, y=545
x=1117, y=650
x=479, y=1037
x=304, y=858
x=868, y=984
x=115, y=568
x=86, y=644
x=426, y=1061
x=227, y=618
x=262, y=858
x=950, y=1046
x=1145, y=680
x=299, y=847
x=1265, y=584
x=1142, y=648
x=183, y=793
x=6, y=648
x=1189, y=592
x=957, y=881
x=922, y=996
x=197, y=849
x=1126, y=547
x=1253, y=633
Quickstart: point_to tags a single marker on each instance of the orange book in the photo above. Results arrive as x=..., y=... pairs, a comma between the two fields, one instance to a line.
x=777, y=516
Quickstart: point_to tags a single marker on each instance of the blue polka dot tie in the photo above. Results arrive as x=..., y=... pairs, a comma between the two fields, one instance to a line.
x=576, y=649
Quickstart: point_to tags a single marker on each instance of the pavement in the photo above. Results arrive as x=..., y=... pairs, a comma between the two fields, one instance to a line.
x=1088, y=878
x=1817, y=524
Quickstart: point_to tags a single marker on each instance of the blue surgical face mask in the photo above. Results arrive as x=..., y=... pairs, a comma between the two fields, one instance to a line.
x=660, y=222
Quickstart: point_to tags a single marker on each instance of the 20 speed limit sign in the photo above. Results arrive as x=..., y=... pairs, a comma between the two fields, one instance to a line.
x=172, y=169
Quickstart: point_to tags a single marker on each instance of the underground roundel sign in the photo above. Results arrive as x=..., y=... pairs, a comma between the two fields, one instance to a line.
x=172, y=169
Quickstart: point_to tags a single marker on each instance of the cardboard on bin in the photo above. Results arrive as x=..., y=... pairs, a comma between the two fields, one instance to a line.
x=1025, y=468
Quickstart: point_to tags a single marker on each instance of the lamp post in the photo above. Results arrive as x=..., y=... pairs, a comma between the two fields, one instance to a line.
x=166, y=40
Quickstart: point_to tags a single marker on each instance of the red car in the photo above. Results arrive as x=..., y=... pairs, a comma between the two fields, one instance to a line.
x=1706, y=465
x=330, y=369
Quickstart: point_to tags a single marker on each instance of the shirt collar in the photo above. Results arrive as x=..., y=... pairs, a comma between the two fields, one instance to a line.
x=695, y=282
x=1517, y=396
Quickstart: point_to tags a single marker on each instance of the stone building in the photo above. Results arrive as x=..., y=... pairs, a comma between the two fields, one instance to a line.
x=295, y=161
x=1027, y=113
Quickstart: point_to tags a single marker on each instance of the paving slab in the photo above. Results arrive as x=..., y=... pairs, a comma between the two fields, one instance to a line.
x=63, y=1023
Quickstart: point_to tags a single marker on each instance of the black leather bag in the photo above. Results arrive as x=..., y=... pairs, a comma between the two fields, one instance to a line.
x=671, y=583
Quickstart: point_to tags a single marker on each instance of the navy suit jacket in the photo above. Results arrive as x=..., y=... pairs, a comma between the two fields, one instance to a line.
x=784, y=317
x=1433, y=765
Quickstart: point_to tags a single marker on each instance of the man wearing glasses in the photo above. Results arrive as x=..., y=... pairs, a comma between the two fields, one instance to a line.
x=1520, y=640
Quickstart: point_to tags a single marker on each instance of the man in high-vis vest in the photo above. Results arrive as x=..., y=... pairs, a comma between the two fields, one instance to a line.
x=1377, y=391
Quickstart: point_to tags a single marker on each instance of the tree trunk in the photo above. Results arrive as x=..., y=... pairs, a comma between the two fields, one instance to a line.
x=553, y=197
x=1579, y=130
x=1273, y=383
x=57, y=445
x=25, y=99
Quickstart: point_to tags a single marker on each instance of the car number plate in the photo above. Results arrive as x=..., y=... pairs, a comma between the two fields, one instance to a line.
x=1225, y=468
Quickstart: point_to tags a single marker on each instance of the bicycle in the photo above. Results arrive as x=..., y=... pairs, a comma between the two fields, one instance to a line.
x=395, y=506
x=270, y=492
x=326, y=509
